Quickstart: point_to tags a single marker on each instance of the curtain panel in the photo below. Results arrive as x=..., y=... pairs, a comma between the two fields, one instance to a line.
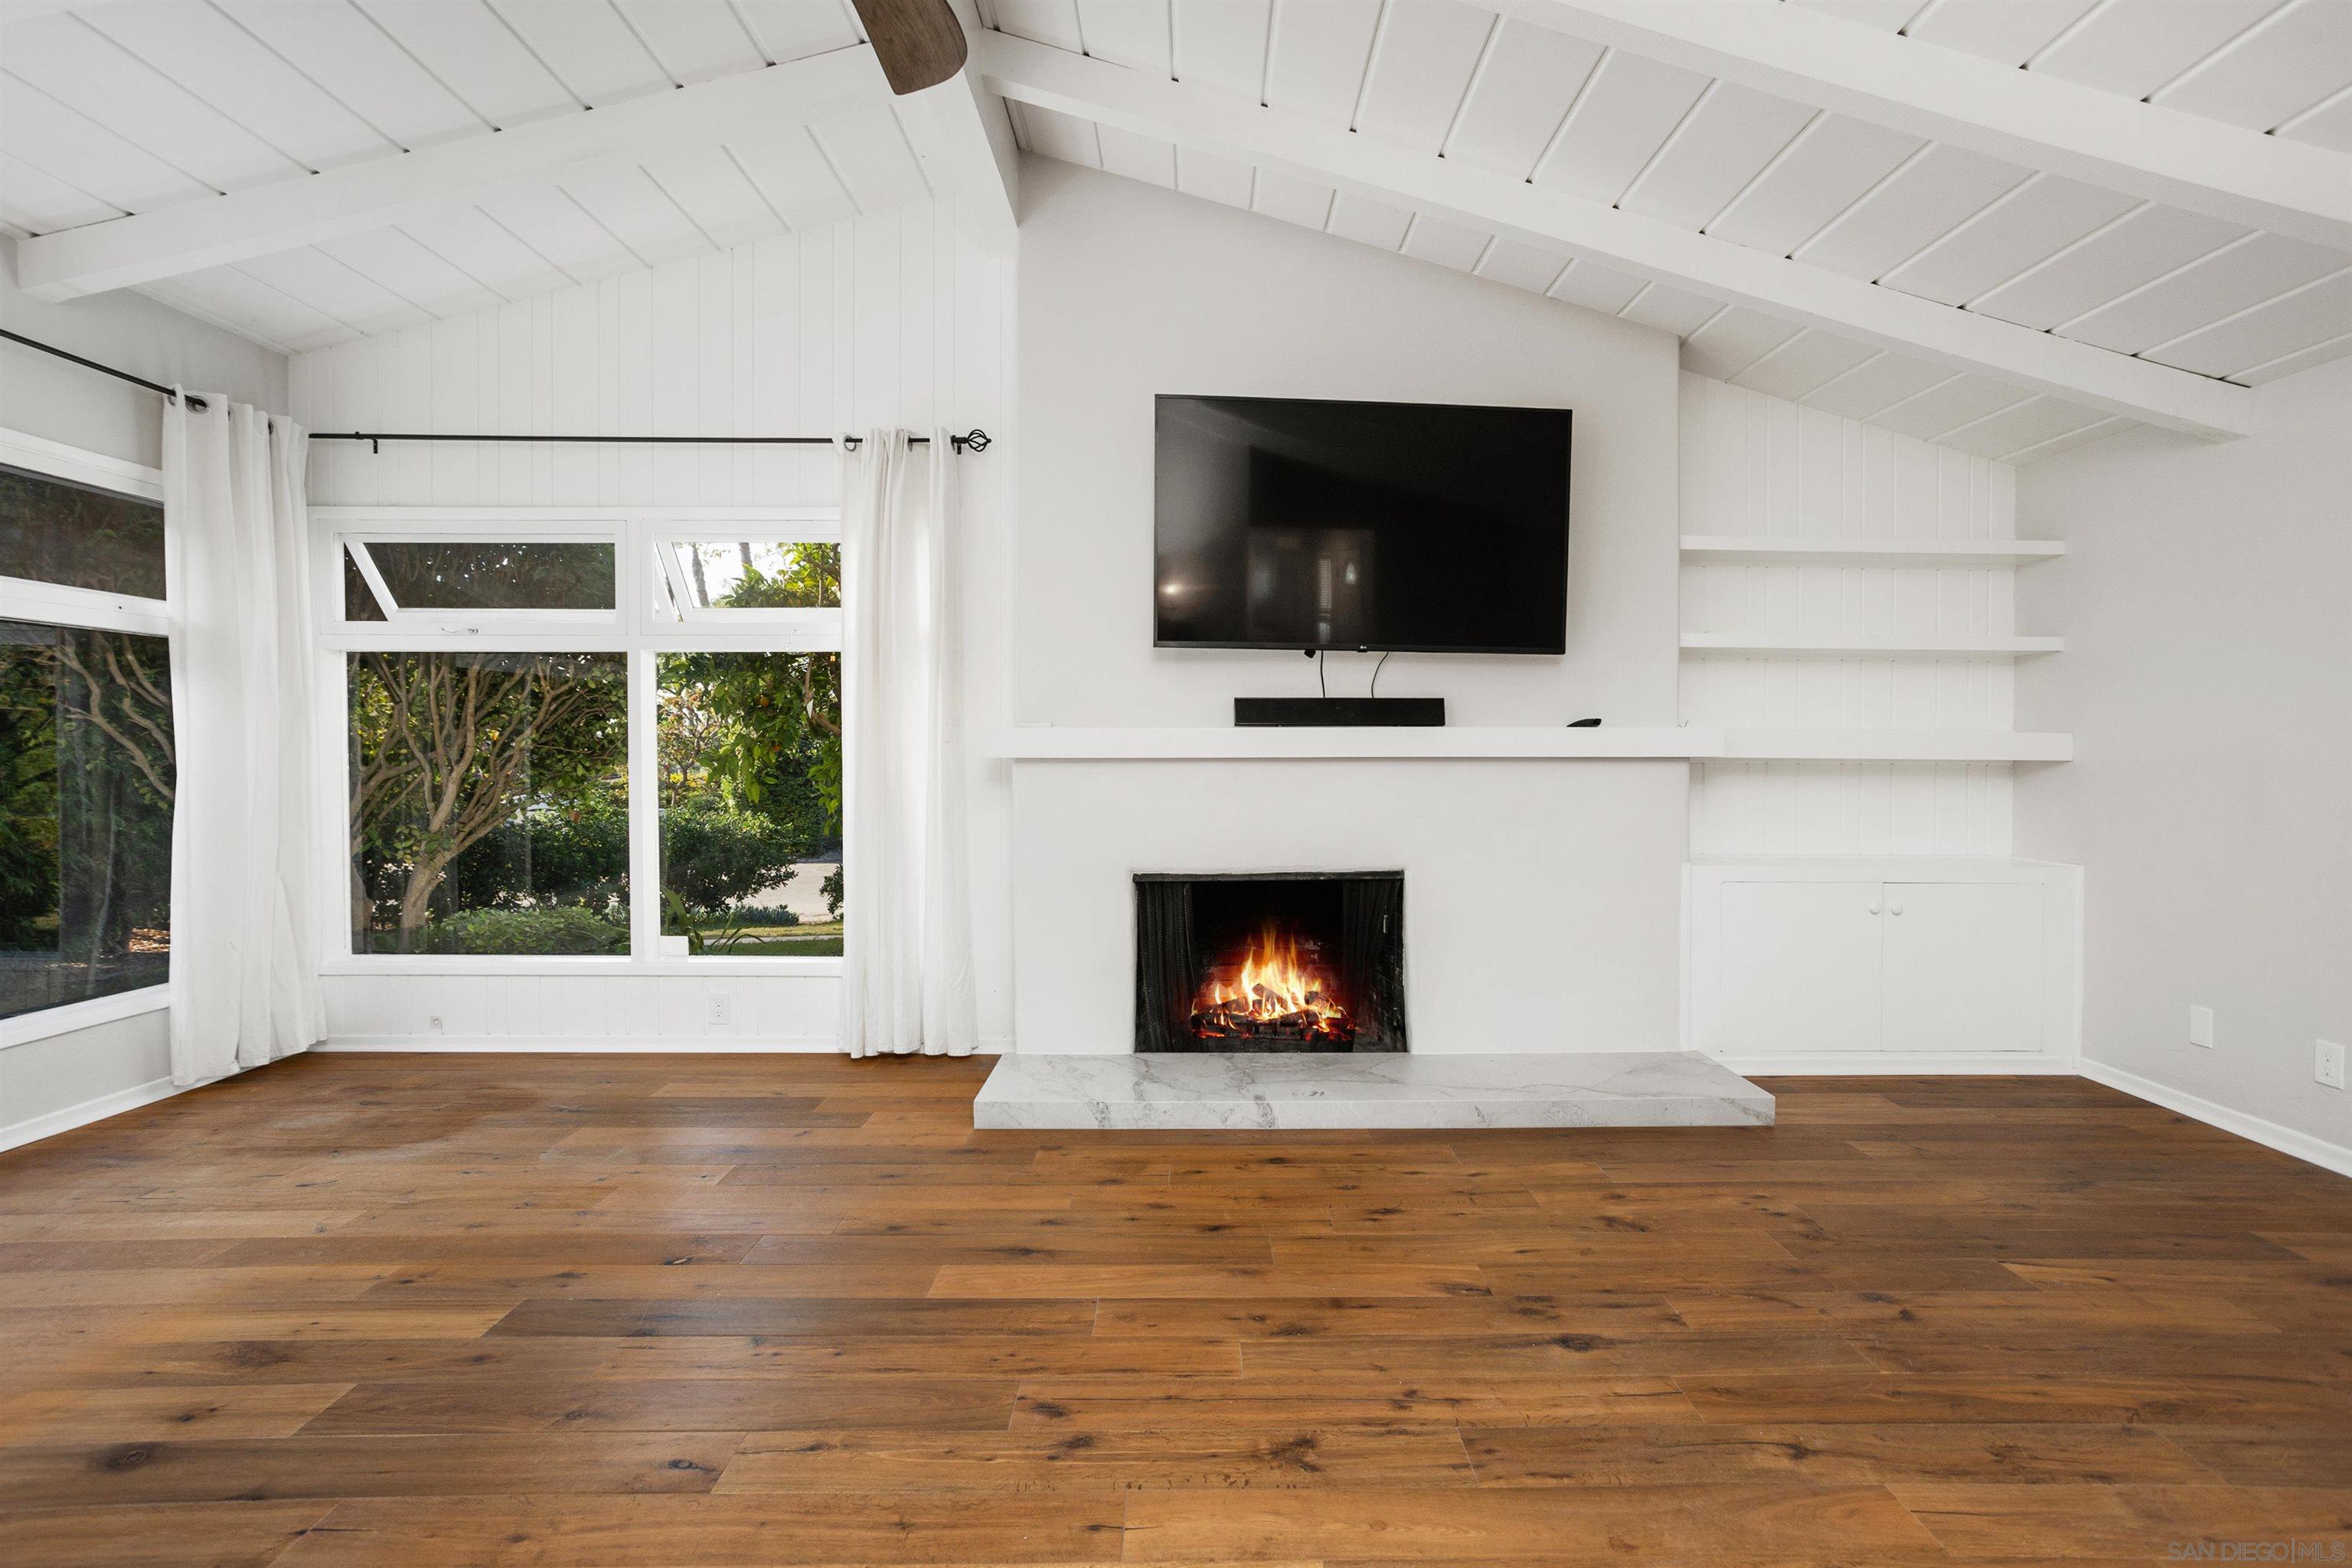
x=906, y=967
x=247, y=844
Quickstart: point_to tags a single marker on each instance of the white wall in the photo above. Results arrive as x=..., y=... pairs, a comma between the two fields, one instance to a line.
x=2207, y=596
x=1128, y=290
x=1541, y=897
x=1754, y=464
x=48, y=1084
x=887, y=320
x=45, y=397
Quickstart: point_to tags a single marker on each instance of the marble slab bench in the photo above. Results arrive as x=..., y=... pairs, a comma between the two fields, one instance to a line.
x=1174, y=1091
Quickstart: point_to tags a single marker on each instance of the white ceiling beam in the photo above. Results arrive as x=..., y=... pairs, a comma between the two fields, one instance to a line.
x=447, y=177
x=2103, y=139
x=964, y=140
x=1239, y=128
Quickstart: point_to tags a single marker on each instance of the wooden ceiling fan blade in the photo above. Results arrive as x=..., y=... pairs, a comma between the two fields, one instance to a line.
x=920, y=42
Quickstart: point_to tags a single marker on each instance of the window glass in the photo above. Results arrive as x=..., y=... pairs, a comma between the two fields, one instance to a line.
x=52, y=530
x=761, y=575
x=86, y=781
x=490, y=802
x=751, y=801
x=497, y=574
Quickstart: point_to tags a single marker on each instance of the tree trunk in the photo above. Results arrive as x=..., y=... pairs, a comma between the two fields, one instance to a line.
x=416, y=900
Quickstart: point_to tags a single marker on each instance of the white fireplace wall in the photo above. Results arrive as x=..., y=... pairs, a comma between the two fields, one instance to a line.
x=1542, y=898
x=1541, y=913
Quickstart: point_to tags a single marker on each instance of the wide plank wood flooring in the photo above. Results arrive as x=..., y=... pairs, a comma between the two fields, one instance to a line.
x=639, y=1311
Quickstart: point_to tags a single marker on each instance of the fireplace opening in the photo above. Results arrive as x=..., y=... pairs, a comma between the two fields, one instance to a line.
x=1294, y=961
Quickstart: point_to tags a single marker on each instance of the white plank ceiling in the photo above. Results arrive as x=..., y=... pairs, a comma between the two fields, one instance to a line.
x=1939, y=222
x=135, y=105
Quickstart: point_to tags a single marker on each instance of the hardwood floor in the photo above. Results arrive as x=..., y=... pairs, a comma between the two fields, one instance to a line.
x=646, y=1310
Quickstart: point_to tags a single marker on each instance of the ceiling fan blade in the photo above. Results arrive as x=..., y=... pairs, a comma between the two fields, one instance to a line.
x=920, y=42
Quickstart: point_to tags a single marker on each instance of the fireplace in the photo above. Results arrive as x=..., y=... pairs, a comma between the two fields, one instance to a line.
x=1288, y=962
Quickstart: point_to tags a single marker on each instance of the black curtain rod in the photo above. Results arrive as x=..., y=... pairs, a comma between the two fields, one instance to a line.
x=970, y=441
x=193, y=401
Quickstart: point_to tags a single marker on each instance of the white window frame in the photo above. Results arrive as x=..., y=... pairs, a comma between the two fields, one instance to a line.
x=56, y=604
x=643, y=627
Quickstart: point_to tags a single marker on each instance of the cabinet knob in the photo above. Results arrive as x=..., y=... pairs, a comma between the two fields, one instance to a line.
x=1897, y=908
x=1873, y=905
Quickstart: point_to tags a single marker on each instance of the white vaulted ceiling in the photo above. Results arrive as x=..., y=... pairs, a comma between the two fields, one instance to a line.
x=1487, y=87
x=139, y=106
x=1803, y=233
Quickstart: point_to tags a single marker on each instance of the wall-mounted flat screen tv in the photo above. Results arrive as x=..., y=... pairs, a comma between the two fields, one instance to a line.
x=1430, y=528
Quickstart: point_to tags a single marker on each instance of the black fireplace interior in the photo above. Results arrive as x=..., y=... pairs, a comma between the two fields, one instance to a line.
x=1299, y=961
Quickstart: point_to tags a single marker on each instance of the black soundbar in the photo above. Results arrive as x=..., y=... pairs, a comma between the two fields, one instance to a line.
x=1284, y=712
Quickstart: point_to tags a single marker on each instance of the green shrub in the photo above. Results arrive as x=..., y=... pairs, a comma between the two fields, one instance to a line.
x=764, y=915
x=571, y=929
x=713, y=855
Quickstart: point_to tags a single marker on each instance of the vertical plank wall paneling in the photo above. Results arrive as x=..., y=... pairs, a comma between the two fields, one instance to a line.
x=883, y=319
x=1753, y=464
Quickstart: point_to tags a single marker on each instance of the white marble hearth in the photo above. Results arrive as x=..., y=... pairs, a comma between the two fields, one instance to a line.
x=1618, y=1089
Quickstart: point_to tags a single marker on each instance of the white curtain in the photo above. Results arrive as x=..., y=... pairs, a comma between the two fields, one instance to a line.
x=245, y=840
x=907, y=970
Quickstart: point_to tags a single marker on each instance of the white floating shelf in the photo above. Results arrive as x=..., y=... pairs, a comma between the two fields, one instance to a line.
x=1052, y=744
x=1754, y=549
x=1871, y=647
x=1899, y=745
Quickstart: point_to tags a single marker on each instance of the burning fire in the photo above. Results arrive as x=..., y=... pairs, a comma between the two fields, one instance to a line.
x=1275, y=993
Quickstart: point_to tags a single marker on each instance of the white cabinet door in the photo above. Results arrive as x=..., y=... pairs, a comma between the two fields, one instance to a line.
x=1797, y=969
x=1964, y=966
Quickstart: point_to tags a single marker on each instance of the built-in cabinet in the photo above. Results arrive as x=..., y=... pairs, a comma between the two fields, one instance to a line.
x=1952, y=960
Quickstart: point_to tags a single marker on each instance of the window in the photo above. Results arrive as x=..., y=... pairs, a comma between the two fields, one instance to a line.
x=751, y=801
x=590, y=736
x=53, y=530
x=768, y=574
x=451, y=581
x=86, y=764
x=489, y=802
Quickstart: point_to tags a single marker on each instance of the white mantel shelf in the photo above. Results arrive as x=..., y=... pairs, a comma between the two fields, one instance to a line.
x=1057, y=743
x=1763, y=550
x=1047, y=743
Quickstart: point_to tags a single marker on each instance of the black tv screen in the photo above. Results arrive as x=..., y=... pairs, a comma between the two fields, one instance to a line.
x=1431, y=527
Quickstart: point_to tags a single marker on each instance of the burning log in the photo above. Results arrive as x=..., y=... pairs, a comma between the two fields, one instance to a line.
x=1275, y=993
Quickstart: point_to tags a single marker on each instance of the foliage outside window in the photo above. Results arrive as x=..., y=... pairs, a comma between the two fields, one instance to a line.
x=53, y=531
x=489, y=802
x=475, y=574
x=751, y=801
x=87, y=774
x=759, y=574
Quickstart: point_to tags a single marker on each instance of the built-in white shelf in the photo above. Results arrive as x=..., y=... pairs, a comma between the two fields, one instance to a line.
x=1899, y=745
x=1687, y=744
x=1756, y=550
x=1872, y=647
x=1052, y=744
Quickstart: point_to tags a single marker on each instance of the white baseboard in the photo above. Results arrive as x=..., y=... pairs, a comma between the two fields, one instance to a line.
x=1899, y=1064
x=2304, y=1146
x=33, y=1129
x=527, y=1045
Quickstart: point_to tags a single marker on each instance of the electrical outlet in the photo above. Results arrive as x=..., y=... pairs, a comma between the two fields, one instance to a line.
x=2327, y=1064
x=433, y=1023
x=719, y=1008
x=2200, y=1026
